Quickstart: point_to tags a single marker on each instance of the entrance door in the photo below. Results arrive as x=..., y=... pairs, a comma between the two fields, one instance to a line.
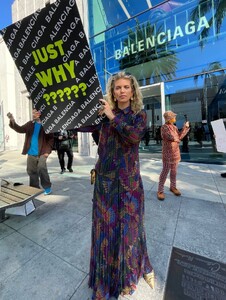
x=154, y=104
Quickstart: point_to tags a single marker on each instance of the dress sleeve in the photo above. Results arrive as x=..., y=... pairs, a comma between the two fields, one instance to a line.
x=131, y=131
x=90, y=128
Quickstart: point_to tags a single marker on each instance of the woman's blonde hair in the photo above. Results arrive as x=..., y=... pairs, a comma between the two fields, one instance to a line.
x=136, y=101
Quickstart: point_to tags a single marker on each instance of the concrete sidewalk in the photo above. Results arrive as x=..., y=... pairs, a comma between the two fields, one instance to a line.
x=45, y=255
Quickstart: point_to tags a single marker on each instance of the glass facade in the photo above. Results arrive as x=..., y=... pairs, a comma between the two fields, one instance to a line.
x=176, y=51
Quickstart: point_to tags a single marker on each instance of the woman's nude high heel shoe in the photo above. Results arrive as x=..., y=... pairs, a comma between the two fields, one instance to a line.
x=150, y=279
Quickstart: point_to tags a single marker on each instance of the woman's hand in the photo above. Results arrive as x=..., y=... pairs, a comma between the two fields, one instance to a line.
x=187, y=124
x=106, y=110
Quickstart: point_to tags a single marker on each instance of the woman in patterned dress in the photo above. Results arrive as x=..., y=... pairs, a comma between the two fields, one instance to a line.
x=118, y=252
x=171, y=138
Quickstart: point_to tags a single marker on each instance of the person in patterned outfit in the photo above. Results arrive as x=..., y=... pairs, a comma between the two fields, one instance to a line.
x=171, y=138
x=119, y=255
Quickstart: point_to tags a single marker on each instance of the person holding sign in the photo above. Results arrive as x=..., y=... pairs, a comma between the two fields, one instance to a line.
x=119, y=255
x=171, y=138
x=37, y=145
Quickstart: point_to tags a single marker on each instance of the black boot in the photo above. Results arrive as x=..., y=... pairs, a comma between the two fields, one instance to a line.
x=62, y=171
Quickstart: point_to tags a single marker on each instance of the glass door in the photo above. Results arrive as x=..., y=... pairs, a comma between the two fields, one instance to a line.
x=154, y=104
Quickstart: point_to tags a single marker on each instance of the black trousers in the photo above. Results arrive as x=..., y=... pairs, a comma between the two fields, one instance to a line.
x=61, y=154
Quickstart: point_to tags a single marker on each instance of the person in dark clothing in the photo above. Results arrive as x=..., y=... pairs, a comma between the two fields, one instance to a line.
x=37, y=145
x=198, y=133
x=147, y=137
x=64, y=140
x=185, y=142
x=158, y=136
x=186, y=138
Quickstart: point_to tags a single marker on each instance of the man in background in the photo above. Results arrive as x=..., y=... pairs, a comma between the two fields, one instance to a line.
x=37, y=145
x=64, y=143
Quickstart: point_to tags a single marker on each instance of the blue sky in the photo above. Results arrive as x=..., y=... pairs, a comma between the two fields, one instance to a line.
x=5, y=13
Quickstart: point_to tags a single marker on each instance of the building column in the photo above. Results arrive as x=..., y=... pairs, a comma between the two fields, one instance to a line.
x=86, y=144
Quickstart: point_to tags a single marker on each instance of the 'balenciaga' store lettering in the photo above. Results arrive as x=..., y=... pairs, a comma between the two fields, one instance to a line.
x=162, y=37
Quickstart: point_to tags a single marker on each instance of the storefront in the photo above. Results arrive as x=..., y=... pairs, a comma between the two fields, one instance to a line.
x=176, y=51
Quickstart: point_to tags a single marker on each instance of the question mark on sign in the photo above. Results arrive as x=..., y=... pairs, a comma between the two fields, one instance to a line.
x=75, y=89
x=53, y=95
x=67, y=91
x=47, y=97
x=83, y=87
x=60, y=93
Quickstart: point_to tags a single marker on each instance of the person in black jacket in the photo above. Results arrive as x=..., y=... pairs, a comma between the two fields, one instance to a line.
x=64, y=141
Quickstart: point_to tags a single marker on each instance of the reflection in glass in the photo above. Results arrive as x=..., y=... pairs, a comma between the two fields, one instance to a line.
x=178, y=44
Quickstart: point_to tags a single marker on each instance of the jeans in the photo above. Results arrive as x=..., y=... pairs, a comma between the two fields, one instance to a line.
x=37, y=169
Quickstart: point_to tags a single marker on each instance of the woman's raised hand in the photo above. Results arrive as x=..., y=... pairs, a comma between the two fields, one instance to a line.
x=105, y=110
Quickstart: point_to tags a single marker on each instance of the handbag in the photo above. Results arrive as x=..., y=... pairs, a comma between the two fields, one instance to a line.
x=93, y=173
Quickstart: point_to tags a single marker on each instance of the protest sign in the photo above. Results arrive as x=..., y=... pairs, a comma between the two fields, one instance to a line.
x=51, y=52
x=220, y=134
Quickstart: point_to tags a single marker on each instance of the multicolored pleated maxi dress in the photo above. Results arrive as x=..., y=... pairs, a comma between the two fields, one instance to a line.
x=118, y=252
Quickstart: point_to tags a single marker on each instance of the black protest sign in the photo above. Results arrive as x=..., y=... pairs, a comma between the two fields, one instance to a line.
x=52, y=54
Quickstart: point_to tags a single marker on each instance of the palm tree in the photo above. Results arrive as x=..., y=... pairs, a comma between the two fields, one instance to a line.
x=211, y=80
x=156, y=63
x=218, y=11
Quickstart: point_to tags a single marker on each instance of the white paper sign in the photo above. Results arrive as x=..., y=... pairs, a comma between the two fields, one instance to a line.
x=220, y=135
